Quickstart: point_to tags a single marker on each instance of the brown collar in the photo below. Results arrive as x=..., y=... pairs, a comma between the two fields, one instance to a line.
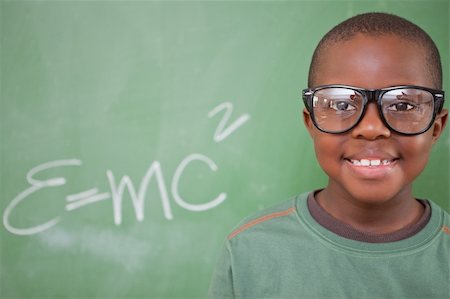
x=347, y=231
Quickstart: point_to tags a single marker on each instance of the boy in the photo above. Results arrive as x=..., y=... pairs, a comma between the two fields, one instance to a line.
x=373, y=110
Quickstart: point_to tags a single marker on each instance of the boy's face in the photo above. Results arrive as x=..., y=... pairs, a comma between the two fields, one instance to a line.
x=373, y=62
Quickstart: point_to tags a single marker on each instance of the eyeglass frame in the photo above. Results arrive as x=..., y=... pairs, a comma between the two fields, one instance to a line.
x=373, y=95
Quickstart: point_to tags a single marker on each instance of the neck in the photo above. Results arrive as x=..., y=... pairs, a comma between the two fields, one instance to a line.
x=381, y=217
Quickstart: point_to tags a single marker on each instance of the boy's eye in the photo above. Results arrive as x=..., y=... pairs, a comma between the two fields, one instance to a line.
x=402, y=106
x=342, y=106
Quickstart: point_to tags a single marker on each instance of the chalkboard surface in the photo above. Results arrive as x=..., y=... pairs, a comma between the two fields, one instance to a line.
x=135, y=135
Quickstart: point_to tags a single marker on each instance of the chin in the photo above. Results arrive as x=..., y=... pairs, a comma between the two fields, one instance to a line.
x=373, y=196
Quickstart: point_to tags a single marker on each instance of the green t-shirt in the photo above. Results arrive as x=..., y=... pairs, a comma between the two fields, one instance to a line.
x=282, y=252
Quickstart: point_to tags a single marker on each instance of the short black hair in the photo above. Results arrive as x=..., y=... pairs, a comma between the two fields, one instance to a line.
x=378, y=24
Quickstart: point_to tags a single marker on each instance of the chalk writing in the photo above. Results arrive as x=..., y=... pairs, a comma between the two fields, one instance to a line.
x=221, y=132
x=79, y=200
x=178, y=172
x=138, y=198
x=36, y=185
x=90, y=196
x=118, y=187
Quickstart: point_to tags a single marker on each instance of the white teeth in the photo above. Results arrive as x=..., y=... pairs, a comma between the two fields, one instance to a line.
x=356, y=162
x=375, y=162
x=367, y=162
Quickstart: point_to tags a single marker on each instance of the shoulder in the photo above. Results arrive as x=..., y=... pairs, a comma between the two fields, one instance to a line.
x=280, y=215
x=444, y=215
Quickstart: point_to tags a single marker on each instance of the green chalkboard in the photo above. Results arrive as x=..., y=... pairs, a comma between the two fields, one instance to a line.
x=135, y=135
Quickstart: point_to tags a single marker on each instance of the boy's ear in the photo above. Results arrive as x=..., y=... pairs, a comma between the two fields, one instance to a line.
x=308, y=121
x=439, y=124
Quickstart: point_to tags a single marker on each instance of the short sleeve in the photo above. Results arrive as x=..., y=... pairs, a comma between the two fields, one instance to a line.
x=222, y=281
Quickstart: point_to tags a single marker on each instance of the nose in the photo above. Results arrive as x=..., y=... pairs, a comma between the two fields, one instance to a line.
x=371, y=127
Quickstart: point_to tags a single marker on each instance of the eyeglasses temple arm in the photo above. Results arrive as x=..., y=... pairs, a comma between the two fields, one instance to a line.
x=441, y=99
x=306, y=95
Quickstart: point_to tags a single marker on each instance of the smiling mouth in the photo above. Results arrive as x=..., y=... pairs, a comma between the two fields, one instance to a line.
x=371, y=162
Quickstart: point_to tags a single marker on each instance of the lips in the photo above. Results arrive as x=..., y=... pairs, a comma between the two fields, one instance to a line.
x=371, y=162
x=370, y=157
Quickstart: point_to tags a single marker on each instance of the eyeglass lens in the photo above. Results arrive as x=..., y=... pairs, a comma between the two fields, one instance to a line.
x=406, y=110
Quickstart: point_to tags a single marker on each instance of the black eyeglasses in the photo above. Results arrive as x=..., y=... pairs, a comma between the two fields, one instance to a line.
x=408, y=110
